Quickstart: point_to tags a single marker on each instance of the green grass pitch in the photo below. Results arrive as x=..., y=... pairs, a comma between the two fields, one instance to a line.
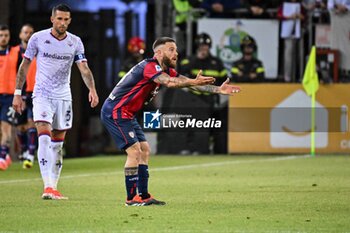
x=203, y=194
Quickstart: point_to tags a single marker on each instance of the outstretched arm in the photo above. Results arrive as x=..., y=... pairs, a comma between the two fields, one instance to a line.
x=18, y=103
x=88, y=78
x=225, y=88
x=183, y=81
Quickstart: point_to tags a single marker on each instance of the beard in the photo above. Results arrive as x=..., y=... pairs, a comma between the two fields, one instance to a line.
x=4, y=44
x=168, y=62
x=60, y=30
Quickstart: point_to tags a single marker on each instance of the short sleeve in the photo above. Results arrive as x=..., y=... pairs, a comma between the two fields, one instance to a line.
x=173, y=73
x=32, y=48
x=80, y=52
x=152, y=70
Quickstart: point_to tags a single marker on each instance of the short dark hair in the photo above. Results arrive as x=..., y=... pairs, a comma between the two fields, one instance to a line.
x=27, y=25
x=61, y=7
x=161, y=41
x=4, y=27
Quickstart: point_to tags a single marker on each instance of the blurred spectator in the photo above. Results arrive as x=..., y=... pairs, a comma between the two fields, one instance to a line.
x=183, y=10
x=248, y=68
x=340, y=21
x=136, y=50
x=221, y=8
x=10, y=57
x=26, y=131
x=199, y=142
x=314, y=4
x=291, y=13
x=339, y=6
x=203, y=60
x=317, y=9
x=256, y=8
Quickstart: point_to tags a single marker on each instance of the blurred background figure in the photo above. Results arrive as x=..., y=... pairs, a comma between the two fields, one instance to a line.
x=292, y=13
x=183, y=10
x=203, y=60
x=136, y=51
x=9, y=61
x=317, y=10
x=26, y=131
x=340, y=21
x=221, y=8
x=339, y=6
x=256, y=8
x=248, y=68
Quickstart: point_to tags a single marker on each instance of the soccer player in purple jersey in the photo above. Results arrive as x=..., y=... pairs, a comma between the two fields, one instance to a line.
x=137, y=87
x=55, y=50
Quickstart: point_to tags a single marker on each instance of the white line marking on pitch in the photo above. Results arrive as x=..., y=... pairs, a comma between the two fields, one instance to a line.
x=174, y=168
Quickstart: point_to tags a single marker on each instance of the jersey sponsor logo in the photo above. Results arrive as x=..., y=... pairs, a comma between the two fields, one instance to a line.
x=47, y=42
x=56, y=56
x=158, y=68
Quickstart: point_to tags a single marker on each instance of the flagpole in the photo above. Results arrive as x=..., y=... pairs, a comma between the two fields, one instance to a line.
x=311, y=85
x=313, y=105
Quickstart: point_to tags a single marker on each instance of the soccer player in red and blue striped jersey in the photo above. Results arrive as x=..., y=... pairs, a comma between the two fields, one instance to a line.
x=135, y=89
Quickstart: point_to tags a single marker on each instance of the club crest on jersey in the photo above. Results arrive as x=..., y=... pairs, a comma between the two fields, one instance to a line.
x=158, y=68
x=44, y=114
x=131, y=134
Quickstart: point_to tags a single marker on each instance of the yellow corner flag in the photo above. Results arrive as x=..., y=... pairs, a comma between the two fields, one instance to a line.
x=310, y=79
x=310, y=84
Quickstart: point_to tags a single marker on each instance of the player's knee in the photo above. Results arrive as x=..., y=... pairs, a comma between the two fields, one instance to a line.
x=134, y=153
x=146, y=150
x=133, y=158
x=145, y=154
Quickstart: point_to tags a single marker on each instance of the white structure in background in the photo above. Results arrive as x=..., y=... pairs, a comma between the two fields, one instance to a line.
x=290, y=123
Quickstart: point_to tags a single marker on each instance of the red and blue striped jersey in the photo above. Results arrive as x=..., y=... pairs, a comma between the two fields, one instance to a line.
x=136, y=88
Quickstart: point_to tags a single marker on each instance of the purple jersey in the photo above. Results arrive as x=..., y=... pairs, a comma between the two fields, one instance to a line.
x=136, y=88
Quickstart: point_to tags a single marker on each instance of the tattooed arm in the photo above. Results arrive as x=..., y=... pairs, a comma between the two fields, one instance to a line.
x=200, y=83
x=225, y=88
x=182, y=81
x=207, y=88
x=88, y=78
x=18, y=103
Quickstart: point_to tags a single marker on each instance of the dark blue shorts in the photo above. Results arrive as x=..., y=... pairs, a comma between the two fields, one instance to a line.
x=5, y=104
x=29, y=105
x=125, y=132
